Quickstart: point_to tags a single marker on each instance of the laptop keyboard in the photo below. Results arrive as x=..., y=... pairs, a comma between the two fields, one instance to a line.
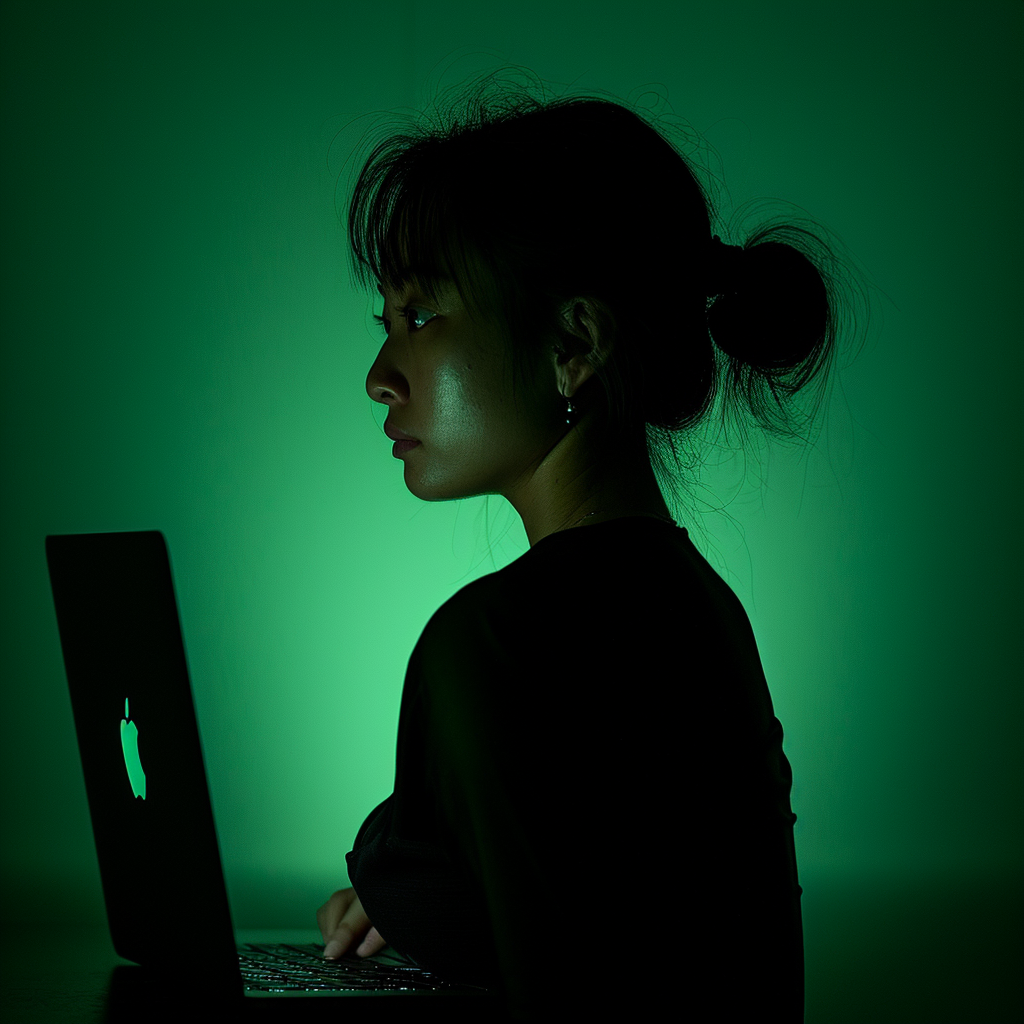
x=279, y=967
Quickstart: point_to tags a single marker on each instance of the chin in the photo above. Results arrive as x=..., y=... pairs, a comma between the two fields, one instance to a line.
x=426, y=486
x=432, y=487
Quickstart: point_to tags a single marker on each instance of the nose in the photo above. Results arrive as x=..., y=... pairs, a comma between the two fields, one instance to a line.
x=393, y=393
x=385, y=383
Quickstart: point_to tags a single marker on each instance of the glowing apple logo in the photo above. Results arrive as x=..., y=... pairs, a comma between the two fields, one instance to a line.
x=130, y=747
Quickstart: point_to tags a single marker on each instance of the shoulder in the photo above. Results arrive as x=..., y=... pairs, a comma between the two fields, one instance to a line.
x=574, y=599
x=465, y=618
x=467, y=636
x=609, y=606
x=489, y=612
x=485, y=660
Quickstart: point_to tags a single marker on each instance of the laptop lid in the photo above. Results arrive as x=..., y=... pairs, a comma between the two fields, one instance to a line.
x=145, y=778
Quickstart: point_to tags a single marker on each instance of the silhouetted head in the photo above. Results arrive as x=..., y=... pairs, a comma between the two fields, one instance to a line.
x=564, y=248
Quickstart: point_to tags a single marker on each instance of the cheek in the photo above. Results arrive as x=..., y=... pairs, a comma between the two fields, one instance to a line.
x=451, y=417
x=464, y=405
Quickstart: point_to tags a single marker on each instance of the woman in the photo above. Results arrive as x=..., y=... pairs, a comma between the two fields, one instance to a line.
x=591, y=805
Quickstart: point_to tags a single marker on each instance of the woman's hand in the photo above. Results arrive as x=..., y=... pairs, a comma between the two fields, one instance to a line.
x=343, y=922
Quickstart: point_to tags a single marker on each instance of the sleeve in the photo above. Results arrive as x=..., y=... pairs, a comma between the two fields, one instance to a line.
x=462, y=672
x=514, y=773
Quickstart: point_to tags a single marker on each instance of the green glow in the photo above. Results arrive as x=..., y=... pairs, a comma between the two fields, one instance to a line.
x=182, y=351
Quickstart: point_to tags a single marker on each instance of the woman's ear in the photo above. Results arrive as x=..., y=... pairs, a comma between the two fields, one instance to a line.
x=592, y=325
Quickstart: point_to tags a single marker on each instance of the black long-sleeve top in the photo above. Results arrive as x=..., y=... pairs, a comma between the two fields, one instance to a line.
x=591, y=809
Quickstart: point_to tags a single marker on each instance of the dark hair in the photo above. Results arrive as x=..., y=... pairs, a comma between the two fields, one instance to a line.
x=526, y=203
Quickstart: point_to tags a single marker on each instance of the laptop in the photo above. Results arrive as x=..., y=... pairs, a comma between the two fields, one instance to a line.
x=156, y=841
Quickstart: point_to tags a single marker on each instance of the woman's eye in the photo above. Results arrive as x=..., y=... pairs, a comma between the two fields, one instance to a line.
x=411, y=314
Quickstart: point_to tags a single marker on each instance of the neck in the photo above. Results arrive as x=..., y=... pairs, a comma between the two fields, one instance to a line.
x=584, y=479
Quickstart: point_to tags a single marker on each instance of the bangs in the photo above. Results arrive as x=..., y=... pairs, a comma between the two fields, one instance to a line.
x=406, y=225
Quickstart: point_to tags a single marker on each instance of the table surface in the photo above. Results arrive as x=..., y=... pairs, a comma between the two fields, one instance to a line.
x=73, y=974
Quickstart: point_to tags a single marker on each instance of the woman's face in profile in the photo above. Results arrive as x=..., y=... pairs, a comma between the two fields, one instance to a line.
x=445, y=381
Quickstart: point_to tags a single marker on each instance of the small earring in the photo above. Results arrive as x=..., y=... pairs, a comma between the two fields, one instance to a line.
x=570, y=412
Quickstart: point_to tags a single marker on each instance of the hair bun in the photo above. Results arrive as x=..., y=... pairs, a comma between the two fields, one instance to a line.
x=771, y=306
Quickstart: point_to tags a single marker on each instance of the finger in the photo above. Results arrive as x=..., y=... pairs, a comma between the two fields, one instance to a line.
x=351, y=928
x=339, y=942
x=331, y=913
x=372, y=944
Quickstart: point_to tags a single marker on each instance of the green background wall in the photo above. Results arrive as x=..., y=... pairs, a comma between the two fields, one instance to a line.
x=182, y=351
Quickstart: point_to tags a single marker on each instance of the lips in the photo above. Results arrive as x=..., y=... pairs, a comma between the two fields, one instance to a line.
x=398, y=435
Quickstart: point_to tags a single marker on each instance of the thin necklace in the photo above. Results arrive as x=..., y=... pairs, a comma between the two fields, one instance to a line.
x=653, y=515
